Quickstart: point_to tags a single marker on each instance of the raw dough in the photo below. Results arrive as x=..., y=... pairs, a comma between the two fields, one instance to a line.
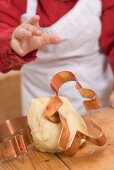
x=46, y=133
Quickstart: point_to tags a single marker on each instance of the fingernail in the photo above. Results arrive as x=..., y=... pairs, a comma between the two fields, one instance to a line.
x=39, y=32
x=20, y=51
x=58, y=39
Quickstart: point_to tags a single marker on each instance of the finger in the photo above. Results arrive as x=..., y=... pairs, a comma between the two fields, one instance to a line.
x=16, y=47
x=22, y=33
x=54, y=40
x=34, y=30
x=34, y=20
x=46, y=39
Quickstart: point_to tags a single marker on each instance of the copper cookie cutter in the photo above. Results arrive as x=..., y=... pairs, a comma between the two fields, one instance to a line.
x=15, y=137
x=91, y=103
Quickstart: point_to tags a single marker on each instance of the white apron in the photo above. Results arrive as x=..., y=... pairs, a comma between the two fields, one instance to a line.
x=78, y=52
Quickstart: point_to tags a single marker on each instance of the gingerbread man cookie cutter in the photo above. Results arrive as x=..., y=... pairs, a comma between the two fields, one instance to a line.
x=92, y=102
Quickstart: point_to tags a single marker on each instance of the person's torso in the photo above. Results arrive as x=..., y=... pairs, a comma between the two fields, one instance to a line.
x=78, y=52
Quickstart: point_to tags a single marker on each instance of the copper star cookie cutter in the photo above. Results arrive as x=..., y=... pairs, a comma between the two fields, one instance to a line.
x=15, y=135
x=92, y=102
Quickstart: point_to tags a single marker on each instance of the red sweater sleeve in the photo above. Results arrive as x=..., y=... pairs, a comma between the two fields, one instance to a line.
x=107, y=36
x=8, y=22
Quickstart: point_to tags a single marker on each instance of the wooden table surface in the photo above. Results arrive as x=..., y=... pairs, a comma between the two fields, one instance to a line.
x=89, y=157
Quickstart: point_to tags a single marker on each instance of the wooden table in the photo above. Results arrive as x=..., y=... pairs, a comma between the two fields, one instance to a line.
x=89, y=157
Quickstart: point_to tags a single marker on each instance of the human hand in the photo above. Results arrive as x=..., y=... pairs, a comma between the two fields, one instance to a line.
x=111, y=99
x=28, y=37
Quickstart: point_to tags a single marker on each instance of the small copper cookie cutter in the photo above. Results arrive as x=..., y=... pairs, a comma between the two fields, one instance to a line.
x=15, y=135
x=92, y=102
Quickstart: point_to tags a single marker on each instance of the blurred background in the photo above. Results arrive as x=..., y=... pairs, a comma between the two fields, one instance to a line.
x=10, y=96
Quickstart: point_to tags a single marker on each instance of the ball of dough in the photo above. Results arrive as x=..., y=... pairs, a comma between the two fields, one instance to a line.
x=46, y=133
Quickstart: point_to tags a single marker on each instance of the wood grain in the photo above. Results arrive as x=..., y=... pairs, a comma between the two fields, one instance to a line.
x=34, y=160
x=88, y=157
